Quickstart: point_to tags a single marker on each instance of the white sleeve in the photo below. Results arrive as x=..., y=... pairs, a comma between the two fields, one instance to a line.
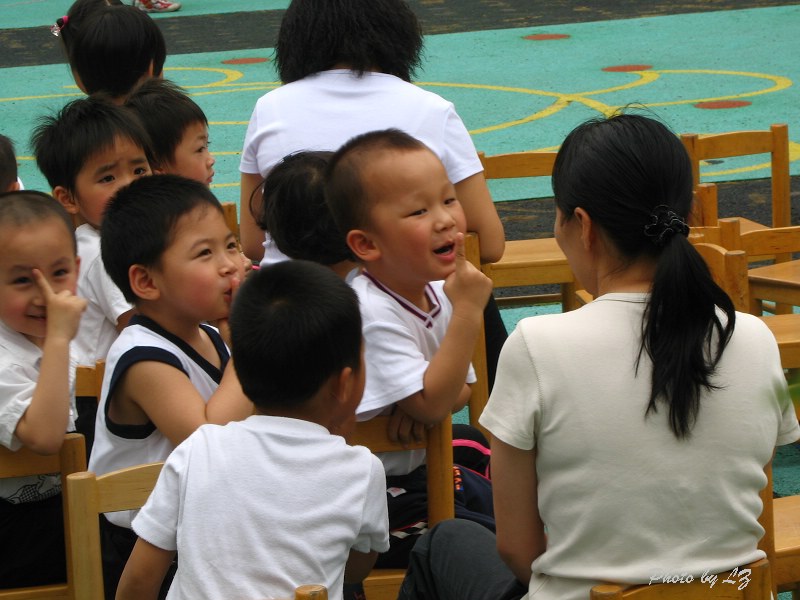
x=395, y=366
x=106, y=293
x=16, y=392
x=374, y=534
x=252, y=142
x=157, y=521
x=514, y=410
x=461, y=158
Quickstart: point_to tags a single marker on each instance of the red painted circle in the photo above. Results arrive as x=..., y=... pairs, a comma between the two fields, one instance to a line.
x=244, y=61
x=627, y=68
x=723, y=104
x=541, y=37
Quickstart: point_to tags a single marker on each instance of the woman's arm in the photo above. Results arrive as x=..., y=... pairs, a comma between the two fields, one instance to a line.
x=482, y=216
x=520, y=531
x=251, y=235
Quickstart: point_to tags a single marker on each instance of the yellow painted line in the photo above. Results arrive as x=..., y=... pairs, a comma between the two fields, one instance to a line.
x=779, y=83
x=229, y=75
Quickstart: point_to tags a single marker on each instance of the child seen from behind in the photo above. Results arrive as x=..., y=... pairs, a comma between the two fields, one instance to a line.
x=284, y=494
x=297, y=215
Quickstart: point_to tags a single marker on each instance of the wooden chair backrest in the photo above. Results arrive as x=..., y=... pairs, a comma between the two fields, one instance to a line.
x=87, y=497
x=438, y=446
x=231, y=217
x=749, y=582
x=774, y=141
x=89, y=380
x=70, y=459
x=311, y=592
x=518, y=164
x=480, y=389
x=729, y=270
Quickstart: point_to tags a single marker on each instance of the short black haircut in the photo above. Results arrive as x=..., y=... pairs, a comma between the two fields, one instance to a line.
x=21, y=207
x=293, y=325
x=139, y=223
x=315, y=35
x=114, y=49
x=166, y=111
x=8, y=163
x=347, y=197
x=68, y=25
x=295, y=213
x=63, y=142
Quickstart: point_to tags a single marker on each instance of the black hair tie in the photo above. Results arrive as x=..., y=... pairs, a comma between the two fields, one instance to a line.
x=664, y=223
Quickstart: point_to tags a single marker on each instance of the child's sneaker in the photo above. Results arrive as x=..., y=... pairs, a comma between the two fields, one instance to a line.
x=157, y=5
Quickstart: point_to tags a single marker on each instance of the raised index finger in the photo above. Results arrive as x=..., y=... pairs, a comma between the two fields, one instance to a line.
x=461, y=256
x=43, y=284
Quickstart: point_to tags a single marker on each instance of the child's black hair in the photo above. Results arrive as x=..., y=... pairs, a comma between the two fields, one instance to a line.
x=21, y=207
x=139, y=223
x=8, y=163
x=346, y=194
x=115, y=49
x=316, y=35
x=293, y=325
x=295, y=213
x=166, y=111
x=62, y=143
x=67, y=26
x=633, y=177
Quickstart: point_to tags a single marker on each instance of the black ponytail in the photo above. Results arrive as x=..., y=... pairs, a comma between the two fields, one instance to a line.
x=633, y=177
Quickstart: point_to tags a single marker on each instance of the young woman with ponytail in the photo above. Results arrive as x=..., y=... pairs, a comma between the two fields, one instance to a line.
x=629, y=436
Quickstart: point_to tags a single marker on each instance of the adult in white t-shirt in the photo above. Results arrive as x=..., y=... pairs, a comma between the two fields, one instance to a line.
x=346, y=69
x=629, y=436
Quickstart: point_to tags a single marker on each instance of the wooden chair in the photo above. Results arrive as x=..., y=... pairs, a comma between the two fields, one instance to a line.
x=311, y=592
x=480, y=389
x=753, y=579
x=528, y=262
x=778, y=282
x=231, y=217
x=384, y=584
x=774, y=142
x=70, y=459
x=87, y=497
x=89, y=379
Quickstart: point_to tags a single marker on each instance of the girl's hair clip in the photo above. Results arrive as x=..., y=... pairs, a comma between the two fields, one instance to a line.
x=59, y=25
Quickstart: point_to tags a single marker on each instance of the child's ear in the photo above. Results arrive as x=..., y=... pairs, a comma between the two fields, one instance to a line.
x=588, y=231
x=66, y=198
x=142, y=283
x=362, y=245
x=345, y=393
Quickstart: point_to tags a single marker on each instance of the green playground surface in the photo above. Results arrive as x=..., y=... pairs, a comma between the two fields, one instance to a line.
x=516, y=89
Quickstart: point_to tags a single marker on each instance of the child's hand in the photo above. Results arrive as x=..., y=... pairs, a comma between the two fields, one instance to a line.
x=404, y=429
x=467, y=287
x=64, y=309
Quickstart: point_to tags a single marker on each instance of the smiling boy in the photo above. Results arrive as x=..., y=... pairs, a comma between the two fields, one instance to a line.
x=39, y=315
x=421, y=301
x=165, y=244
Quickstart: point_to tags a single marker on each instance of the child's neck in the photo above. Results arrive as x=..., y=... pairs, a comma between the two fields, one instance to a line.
x=187, y=330
x=411, y=291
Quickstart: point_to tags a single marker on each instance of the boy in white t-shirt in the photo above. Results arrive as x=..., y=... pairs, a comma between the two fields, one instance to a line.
x=88, y=151
x=421, y=304
x=279, y=499
x=39, y=315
